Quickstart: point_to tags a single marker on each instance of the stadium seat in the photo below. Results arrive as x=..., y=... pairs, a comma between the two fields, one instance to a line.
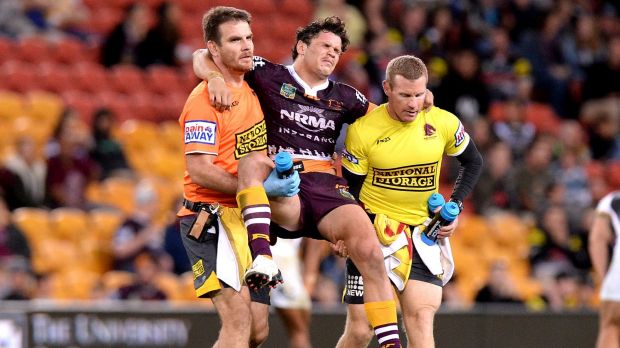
x=141, y=105
x=169, y=284
x=118, y=103
x=105, y=20
x=613, y=174
x=44, y=107
x=54, y=77
x=12, y=105
x=34, y=49
x=105, y=222
x=119, y=192
x=83, y=103
x=7, y=49
x=301, y=10
x=68, y=51
x=69, y=224
x=113, y=280
x=33, y=222
x=127, y=79
x=163, y=80
x=90, y=77
x=53, y=255
x=19, y=76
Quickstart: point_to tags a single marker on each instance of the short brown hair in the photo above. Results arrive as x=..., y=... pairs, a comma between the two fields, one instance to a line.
x=409, y=67
x=212, y=20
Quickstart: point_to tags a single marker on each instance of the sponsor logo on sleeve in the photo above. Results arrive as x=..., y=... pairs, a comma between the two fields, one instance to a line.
x=360, y=97
x=253, y=139
x=350, y=157
x=257, y=62
x=288, y=91
x=202, y=132
x=419, y=177
x=459, y=136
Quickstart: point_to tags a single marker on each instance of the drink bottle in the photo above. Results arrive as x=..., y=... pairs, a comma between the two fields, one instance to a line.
x=284, y=165
x=446, y=215
x=435, y=201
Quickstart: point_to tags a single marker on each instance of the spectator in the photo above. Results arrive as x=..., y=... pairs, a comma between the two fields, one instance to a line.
x=159, y=46
x=144, y=287
x=21, y=282
x=603, y=78
x=462, y=90
x=533, y=176
x=123, y=43
x=139, y=232
x=107, y=152
x=514, y=129
x=500, y=287
x=29, y=172
x=69, y=172
x=13, y=21
x=173, y=245
x=495, y=185
x=12, y=240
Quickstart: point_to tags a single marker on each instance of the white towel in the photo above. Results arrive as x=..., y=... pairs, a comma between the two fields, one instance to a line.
x=437, y=257
x=226, y=267
x=392, y=262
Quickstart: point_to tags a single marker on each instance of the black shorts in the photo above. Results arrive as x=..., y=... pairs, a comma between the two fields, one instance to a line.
x=354, y=284
x=319, y=194
x=203, y=255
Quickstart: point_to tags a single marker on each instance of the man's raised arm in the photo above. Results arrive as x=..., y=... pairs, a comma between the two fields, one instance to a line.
x=204, y=67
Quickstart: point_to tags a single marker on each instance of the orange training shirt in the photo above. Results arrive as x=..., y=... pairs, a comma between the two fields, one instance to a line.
x=227, y=135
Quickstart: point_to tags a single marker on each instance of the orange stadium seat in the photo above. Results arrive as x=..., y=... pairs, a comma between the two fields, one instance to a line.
x=114, y=280
x=12, y=105
x=170, y=285
x=69, y=224
x=33, y=222
x=105, y=222
x=68, y=51
x=119, y=192
x=44, y=107
x=34, y=49
x=127, y=79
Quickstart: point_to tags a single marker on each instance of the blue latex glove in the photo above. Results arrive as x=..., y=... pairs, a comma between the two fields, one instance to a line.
x=276, y=187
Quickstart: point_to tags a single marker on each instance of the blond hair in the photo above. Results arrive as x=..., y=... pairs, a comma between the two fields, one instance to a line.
x=409, y=67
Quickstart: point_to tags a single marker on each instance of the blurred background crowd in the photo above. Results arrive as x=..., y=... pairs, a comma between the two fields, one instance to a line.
x=91, y=152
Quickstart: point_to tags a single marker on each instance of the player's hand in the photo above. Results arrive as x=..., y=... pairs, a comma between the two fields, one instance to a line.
x=276, y=187
x=339, y=248
x=429, y=99
x=448, y=230
x=219, y=94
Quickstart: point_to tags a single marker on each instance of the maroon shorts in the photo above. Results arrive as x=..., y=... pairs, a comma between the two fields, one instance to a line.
x=319, y=193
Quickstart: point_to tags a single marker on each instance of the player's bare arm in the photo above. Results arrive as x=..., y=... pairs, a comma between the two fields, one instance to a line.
x=205, y=69
x=599, y=238
x=203, y=172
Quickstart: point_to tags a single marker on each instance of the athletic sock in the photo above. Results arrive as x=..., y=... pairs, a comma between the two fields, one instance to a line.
x=256, y=214
x=382, y=317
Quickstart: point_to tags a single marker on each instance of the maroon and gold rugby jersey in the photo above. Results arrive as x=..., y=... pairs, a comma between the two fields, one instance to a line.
x=301, y=120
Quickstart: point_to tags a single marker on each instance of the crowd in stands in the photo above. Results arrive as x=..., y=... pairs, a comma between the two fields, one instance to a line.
x=91, y=151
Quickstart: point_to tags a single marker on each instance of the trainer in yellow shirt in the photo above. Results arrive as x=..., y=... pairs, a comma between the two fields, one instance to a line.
x=392, y=161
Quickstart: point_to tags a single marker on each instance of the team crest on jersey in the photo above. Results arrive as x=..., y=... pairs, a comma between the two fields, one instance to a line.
x=288, y=91
x=350, y=157
x=419, y=177
x=429, y=130
x=253, y=139
x=344, y=191
x=335, y=104
x=459, y=136
x=202, y=132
